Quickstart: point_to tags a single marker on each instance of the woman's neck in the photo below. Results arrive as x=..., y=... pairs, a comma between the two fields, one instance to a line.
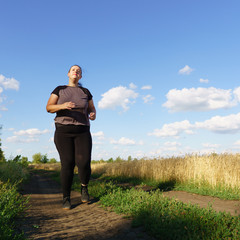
x=72, y=83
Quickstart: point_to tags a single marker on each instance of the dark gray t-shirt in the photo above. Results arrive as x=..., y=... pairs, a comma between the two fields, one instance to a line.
x=78, y=95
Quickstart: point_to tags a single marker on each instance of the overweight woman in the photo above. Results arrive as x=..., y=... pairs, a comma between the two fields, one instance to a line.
x=73, y=105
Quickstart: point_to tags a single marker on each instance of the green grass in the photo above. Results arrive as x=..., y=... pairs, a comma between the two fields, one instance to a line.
x=12, y=203
x=202, y=188
x=13, y=172
x=171, y=219
x=220, y=191
x=164, y=218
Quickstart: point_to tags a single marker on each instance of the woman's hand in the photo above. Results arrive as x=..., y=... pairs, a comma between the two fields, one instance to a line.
x=68, y=105
x=92, y=115
x=91, y=110
x=53, y=107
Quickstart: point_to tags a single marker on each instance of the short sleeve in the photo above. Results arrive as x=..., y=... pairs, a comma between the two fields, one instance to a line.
x=56, y=91
x=86, y=91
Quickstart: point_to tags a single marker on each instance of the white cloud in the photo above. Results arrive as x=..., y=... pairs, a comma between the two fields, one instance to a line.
x=3, y=108
x=237, y=143
x=123, y=141
x=200, y=99
x=1, y=98
x=99, y=135
x=172, y=144
x=173, y=129
x=9, y=83
x=16, y=139
x=203, y=80
x=185, y=70
x=236, y=93
x=148, y=98
x=132, y=86
x=210, y=145
x=118, y=96
x=223, y=125
x=147, y=87
x=97, y=143
x=30, y=132
x=218, y=124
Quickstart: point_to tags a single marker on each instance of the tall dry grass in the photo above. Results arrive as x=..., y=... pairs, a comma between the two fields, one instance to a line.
x=214, y=169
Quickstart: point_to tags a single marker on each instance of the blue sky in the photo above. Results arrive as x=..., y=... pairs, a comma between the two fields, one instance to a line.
x=164, y=75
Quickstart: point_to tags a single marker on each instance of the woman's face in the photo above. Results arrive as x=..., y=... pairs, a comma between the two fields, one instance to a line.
x=75, y=72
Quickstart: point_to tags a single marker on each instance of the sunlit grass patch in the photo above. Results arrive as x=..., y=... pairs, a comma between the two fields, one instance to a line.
x=166, y=218
x=12, y=203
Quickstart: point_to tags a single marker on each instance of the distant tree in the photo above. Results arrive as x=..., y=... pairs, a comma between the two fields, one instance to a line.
x=110, y=160
x=39, y=158
x=44, y=159
x=24, y=161
x=129, y=158
x=52, y=160
x=118, y=159
x=2, y=157
x=101, y=161
x=17, y=159
x=36, y=158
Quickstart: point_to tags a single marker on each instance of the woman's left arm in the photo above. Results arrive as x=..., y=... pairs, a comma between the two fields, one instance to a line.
x=91, y=110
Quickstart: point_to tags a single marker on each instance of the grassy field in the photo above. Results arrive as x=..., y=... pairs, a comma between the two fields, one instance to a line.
x=114, y=184
x=215, y=175
x=12, y=204
x=166, y=218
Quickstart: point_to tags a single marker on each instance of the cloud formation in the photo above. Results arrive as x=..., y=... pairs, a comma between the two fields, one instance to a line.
x=123, y=141
x=147, y=87
x=173, y=129
x=203, y=80
x=30, y=135
x=117, y=97
x=218, y=124
x=9, y=83
x=31, y=132
x=148, y=98
x=16, y=139
x=201, y=99
x=185, y=70
x=99, y=135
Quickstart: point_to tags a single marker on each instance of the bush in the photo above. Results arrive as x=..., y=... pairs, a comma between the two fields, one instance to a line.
x=12, y=204
x=13, y=172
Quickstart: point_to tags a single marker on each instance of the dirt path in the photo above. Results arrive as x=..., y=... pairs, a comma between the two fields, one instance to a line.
x=233, y=207
x=46, y=220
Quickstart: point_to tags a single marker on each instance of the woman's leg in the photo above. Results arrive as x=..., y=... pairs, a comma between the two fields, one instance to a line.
x=83, y=149
x=65, y=146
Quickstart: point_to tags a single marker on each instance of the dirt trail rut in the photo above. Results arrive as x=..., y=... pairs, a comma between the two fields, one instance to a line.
x=46, y=220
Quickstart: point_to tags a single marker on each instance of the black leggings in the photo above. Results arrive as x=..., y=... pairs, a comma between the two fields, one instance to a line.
x=74, y=145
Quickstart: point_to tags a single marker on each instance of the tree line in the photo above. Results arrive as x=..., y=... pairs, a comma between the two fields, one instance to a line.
x=37, y=158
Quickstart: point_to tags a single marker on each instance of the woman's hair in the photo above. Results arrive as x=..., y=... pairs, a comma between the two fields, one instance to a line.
x=76, y=66
x=79, y=84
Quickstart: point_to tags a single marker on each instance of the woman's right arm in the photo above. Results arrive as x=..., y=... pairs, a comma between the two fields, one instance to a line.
x=53, y=107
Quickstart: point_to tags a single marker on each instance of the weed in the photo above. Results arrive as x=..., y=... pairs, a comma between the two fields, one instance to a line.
x=170, y=219
x=12, y=204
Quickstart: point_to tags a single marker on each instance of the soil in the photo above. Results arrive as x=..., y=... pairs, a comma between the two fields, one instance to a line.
x=45, y=219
